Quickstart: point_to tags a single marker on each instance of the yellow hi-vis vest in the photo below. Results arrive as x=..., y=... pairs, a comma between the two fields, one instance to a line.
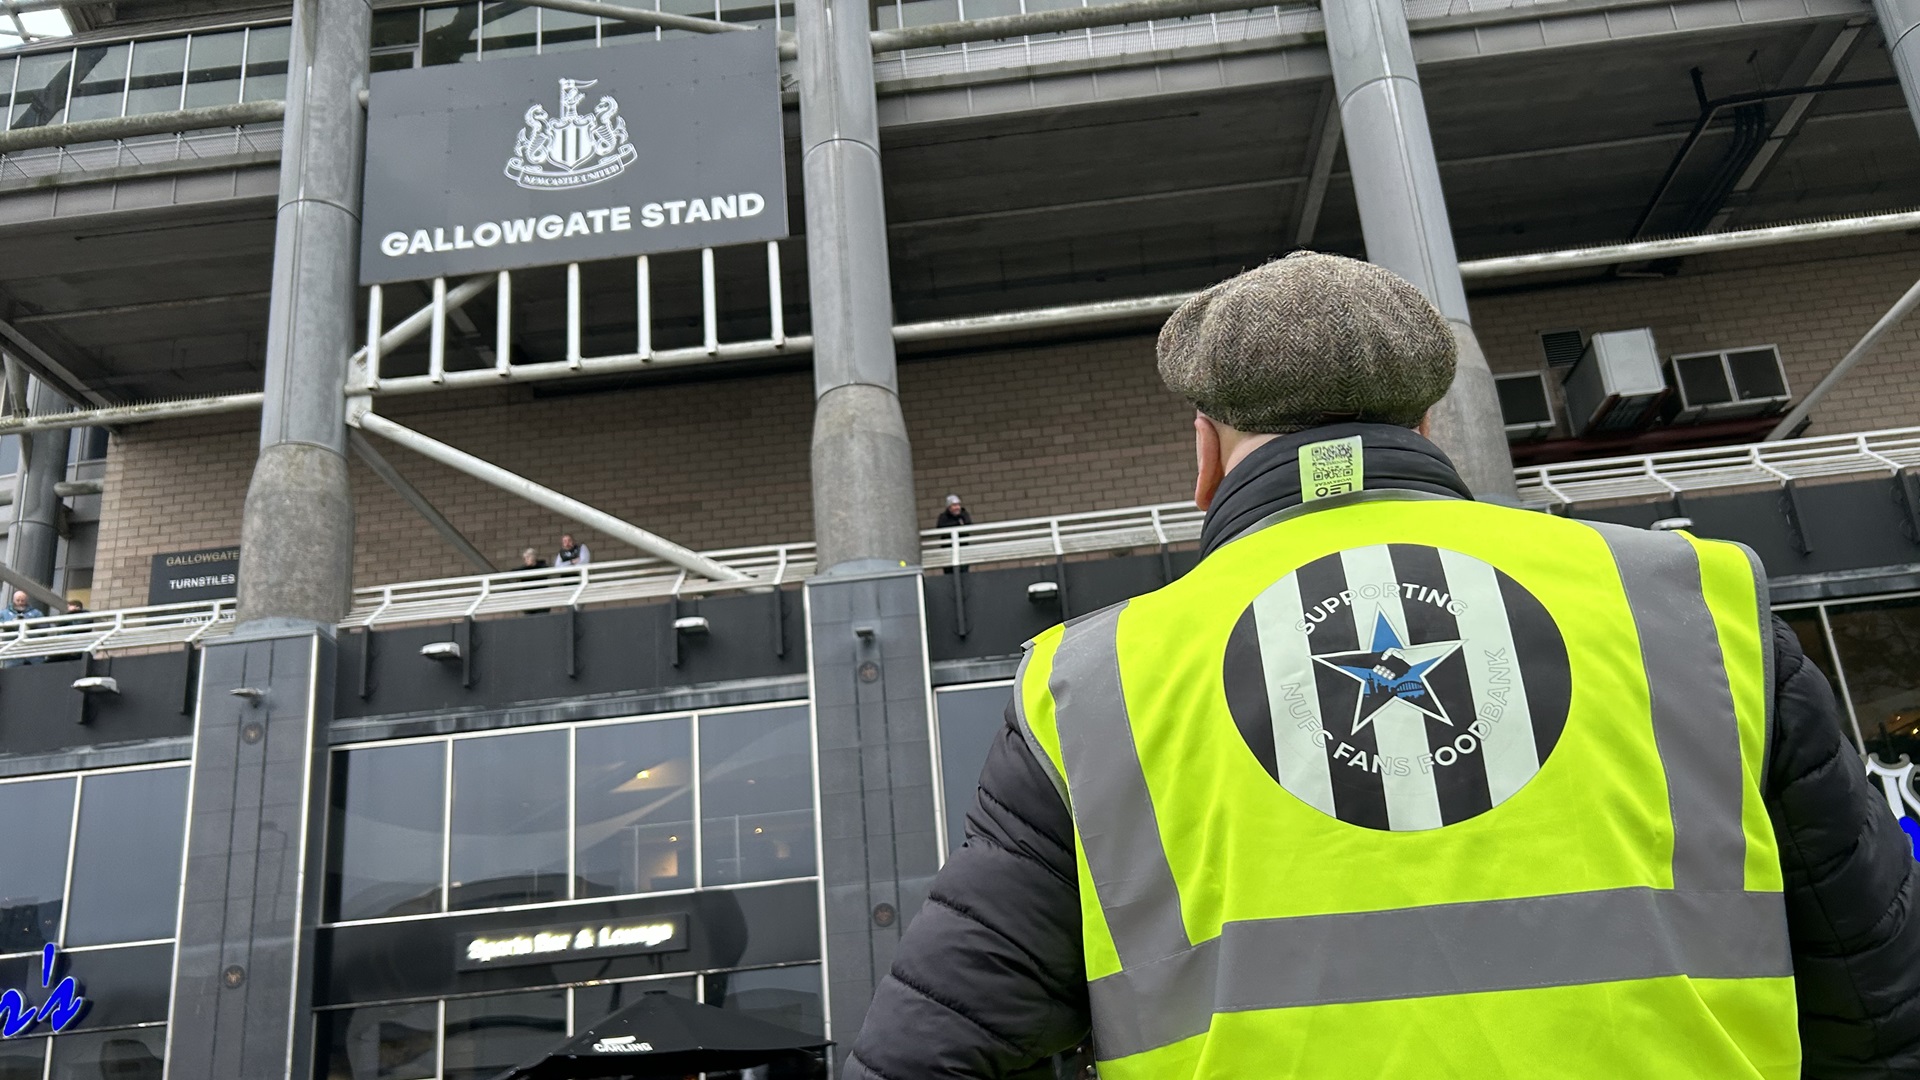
x=1398, y=786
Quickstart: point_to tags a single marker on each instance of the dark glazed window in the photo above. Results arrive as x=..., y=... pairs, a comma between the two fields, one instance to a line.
x=394, y=1042
x=970, y=719
x=1879, y=647
x=126, y=857
x=634, y=814
x=562, y=30
x=388, y=820
x=100, y=82
x=1805, y=624
x=33, y=861
x=131, y=1054
x=592, y=1004
x=509, y=30
x=159, y=68
x=509, y=820
x=23, y=1059
x=40, y=93
x=788, y=996
x=213, y=68
x=452, y=35
x=489, y=1035
x=756, y=791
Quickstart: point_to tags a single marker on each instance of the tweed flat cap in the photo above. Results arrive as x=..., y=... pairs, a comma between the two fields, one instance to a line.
x=1306, y=340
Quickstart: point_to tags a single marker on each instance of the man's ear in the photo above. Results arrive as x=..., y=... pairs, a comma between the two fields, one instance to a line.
x=1425, y=428
x=1208, y=470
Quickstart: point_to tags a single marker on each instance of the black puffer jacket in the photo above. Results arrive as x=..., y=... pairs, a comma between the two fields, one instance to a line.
x=989, y=979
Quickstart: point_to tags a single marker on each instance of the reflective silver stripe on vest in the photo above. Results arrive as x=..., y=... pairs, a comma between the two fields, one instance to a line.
x=1121, y=837
x=1706, y=927
x=1694, y=724
x=1567, y=940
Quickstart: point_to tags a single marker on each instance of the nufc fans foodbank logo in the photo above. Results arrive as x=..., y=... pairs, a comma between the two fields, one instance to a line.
x=570, y=150
x=1398, y=686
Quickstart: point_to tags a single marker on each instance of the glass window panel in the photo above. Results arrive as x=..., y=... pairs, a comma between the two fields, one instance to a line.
x=508, y=30
x=33, y=861
x=970, y=719
x=23, y=1059
x=592, y=1004
x=132, y=1054
x=396, y=27
x=213, y=68
x=387, y=824
x=7, y=64
x=394, y=1042
x=789, y=996
x=452, y=35
x=391, y=61
x=509, y=820
x=100, y=82
x=267, y=49
x=560, y=30
x=1879, y=647
x=486, y=1036
x=633, y=819
x=756, y=792
x=618, y=29
x=126, y=857
x=9, y=453
x=40, y=92
x=159, y=69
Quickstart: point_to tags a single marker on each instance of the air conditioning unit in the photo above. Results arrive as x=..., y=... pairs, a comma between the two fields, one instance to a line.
x=1728, y=385
x=1616, y=386
x=1524, y=405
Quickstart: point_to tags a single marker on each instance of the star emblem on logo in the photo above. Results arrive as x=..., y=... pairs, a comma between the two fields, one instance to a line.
x=1392, y=671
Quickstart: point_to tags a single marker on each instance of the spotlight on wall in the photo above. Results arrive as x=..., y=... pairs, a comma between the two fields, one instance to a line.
x=1672, y=523
x=1042, y=591
x=864, y=632
x=97, y=684
x=444, y=651
x=691, y=624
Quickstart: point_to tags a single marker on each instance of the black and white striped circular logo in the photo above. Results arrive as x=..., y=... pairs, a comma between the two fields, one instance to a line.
x=1398, y=686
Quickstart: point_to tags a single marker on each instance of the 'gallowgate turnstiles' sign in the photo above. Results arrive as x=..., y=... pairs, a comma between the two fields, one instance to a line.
x=573, y=156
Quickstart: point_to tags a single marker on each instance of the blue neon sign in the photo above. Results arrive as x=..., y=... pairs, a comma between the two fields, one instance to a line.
x=62, y=1007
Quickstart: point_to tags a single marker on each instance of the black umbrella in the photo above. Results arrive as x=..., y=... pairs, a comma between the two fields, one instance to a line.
x=665, y=1036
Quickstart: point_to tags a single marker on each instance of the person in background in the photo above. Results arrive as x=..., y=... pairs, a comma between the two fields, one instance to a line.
x=572, y=553
x=75, y=607
x=21, y=608
x=531, y=560
x=954, y=515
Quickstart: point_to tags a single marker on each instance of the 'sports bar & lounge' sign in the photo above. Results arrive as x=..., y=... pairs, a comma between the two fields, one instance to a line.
x=573, y=156
x=562, y=942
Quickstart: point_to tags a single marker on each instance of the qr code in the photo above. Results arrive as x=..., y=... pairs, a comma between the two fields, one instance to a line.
x=1332, y=469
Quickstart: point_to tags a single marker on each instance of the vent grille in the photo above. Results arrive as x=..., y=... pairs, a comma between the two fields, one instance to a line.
x=1561, y=347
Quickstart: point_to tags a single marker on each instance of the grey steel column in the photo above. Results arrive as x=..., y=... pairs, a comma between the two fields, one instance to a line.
x=244, y=970
x=1403, y=215
x=863, y=513
x=879, y=847
x=1898, y=20
x=296, y=539
x=33, y=540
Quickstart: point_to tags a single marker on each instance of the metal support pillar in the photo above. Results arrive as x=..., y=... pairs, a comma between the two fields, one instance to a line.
x=879, y=838
x=1403, y=215
x=863, y=512
x=296, y=540
x=33, y=539
x=1899, y=19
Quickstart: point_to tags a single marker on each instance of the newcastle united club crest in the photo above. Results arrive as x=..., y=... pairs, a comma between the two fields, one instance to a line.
x=1398, y=686
x=571, y=150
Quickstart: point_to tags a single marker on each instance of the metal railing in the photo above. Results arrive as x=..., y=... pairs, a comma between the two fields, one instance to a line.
x=1679, y=472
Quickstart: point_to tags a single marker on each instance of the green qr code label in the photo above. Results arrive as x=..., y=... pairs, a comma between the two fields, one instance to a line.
x=1335, y=467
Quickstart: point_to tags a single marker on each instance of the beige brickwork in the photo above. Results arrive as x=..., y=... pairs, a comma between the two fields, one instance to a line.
x=1018, y=432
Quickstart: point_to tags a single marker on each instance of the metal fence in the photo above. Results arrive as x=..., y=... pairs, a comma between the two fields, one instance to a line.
x=1679, y=472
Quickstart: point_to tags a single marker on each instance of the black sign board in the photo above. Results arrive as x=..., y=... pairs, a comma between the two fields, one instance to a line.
x=183, y=576
x=574, y=156
x=562, y=941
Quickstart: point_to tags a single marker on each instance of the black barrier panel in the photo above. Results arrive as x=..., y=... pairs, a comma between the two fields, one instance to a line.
x=996, y=610
x=560, y=654
x=41, y=712
x=777, y=924
x=1820, y=529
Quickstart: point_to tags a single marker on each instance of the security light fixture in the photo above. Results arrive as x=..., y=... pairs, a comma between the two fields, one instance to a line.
x=1041, y=591
x=864, y=632
x=691, y=624
x=446, y=651
x=97, y=684
x=1672, y=523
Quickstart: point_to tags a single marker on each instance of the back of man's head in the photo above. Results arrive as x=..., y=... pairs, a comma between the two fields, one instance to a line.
x=1306, y=340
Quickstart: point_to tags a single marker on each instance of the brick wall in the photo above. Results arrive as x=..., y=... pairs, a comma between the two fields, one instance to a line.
x=1018, y=432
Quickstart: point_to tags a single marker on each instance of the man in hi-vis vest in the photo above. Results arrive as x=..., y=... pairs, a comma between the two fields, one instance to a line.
x=1399, y=784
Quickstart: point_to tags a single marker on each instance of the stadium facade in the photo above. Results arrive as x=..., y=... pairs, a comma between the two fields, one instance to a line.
x=402, y=811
